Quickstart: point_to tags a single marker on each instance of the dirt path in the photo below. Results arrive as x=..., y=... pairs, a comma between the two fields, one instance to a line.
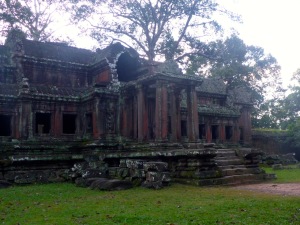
x=292, y=189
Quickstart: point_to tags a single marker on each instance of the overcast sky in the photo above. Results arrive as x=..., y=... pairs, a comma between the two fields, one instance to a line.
x=272, y=25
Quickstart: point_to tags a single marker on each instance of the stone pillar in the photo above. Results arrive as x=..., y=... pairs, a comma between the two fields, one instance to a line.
x=235, y=132
x=28, y=119
x=222, y=132
x=96, y=119
x=101, y=118
x=57, y=125
x=175, y=113
x=124, y=127
x=161, y=111
x=142, y=117
x=135, y=118
x=208, y=132
x=192, y=110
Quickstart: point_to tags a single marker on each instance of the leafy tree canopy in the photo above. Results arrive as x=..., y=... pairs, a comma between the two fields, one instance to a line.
x=33, y=17
x=156, y=28
x=294, y=134
x=239, y=65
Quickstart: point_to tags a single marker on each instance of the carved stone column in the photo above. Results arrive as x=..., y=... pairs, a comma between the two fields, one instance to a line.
x=135, y=118
x=161, y=111
x=222, y=131
x=95, y=119
x=208, y=132
x=192, y=110
x=175, y=112
x=142, y=117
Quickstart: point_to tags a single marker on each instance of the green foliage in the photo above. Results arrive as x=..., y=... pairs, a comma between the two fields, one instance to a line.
x=294, y=134
x=33, y=17
x=155, y=28
x=281, y=111
x=239, y=65
x=178, y=204
x=269, y=131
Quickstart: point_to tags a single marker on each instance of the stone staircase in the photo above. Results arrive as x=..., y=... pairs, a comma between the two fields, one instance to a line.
x=231, y=169
x=237, y=170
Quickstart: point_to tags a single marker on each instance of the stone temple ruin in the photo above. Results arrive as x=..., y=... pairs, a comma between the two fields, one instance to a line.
x=110, y=114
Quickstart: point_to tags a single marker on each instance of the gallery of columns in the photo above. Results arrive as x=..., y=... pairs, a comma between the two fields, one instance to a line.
x=156, y=104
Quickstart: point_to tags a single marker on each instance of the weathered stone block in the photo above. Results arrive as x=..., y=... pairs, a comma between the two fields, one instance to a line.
x=137, y=173
x=113, y=171
x=123, y=163
x=153, y=176
x=110, y=185
x=89, y=173
x=25, y=178
x=155, y=166
x=10, y=176
x=185, y=174
x=192, y=168
x=194, y=163
x=134, y=164
x=98, y=165
x=80, y=182
x=208, y=174
x=123, y=172
x=153, y=185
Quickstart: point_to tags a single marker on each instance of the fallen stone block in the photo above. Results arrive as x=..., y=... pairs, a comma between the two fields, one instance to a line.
x=134, y=164
x=110, y=185
x=153, y=185
x=153, y=176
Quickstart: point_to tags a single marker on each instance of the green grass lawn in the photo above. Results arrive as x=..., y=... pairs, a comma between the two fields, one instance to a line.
x=286, y=175
x=177, y=204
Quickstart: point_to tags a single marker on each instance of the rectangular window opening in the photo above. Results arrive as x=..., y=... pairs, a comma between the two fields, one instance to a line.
x=69, y=123
x=42, y=123
x=5, y=127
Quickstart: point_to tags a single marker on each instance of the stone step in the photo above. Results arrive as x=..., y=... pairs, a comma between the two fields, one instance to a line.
x=243, y=179
x=236, y=171
x=225, y=153
x=240, y=166
x=228, y=162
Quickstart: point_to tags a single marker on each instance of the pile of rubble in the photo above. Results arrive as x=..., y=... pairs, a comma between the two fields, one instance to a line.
x=130, y=172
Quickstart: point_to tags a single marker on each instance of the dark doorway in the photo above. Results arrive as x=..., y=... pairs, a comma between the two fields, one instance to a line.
x=151, y=118
x=228, y=132
x=241, y=134
x=127, y=67
x=5, y=129
x=183, y=128
x=42, y=123
x=202, y=132
x=215, y=132
x=89, y=122
x=69, y=123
